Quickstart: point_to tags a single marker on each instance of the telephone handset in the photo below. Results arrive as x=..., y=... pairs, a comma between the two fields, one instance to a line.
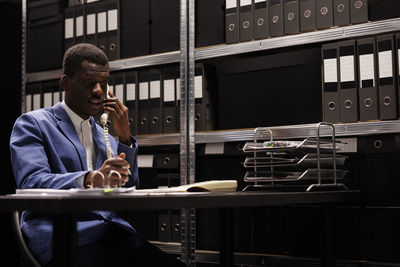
x=103, y=121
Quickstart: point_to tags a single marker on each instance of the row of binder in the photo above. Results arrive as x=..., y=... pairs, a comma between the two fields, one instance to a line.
x=258, y=19
x=361, y=79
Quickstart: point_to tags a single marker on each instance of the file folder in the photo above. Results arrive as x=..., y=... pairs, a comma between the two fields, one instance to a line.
x=246, y=20
x=135, y=28
x=261, y=20
x=231, y=21
x=291, y=15
x=144, y=105
x=113, y=30
x=368, y=94
x=131, y=100
x=90, y=36
x=386, y=68
x=324, y=14
x=209, y=22
x=307, y=15
x=170, y=103
x=276, y=18
x=79, y=24
x=102, y=26
x=348, y=93
x=358, y=11
x=331, y=94
x=155, y=109
x=69, y=28
x=341, y=12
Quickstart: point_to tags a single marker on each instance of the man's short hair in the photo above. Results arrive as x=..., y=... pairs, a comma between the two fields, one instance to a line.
x=78, y=53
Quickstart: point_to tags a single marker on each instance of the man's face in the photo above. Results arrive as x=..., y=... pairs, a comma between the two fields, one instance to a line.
x=85, y=91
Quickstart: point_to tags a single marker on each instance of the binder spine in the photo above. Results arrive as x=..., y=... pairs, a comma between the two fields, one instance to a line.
x=131, y=99
x=330, y=88
x=246, y=31
x=276, y=18
x=261, y=19
x=113, y=30
x=291, y=16
x=307, y=15
x=231, y=21
x=341, y=12
x=324, y=13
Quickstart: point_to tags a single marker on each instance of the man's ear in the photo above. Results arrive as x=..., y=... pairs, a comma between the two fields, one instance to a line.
x=64, y=82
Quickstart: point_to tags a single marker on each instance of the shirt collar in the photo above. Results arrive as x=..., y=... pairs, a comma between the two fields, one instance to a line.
x=75, y=118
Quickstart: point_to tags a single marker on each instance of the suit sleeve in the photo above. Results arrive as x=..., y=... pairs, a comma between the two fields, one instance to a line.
x=131, y=157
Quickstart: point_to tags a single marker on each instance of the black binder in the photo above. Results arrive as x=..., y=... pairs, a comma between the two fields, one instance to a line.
x=359, y=11
x=175, y=226
x=367, y=71
x=135, y=28
x=41, y=9
x=170, y=103
x=155, y=108
x=131, y=97
x=341, y=12
x=307, y=15
x=246, y=20
x=324, y=13
x=69, y=28
x=164, y=227
x=102, y=25
x=144, y=103
x=330, y=94
x=261, y=20
x=291, y=15
x=209, y=22
x=231, y=21
x=113, y=27
x=79, y=23
x=388, y=104
x=348, y=93
x=276, y=18
x=119, y=88
x=91, y=22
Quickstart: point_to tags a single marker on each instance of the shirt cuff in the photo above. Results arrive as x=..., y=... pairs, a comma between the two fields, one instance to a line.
x=79, y=181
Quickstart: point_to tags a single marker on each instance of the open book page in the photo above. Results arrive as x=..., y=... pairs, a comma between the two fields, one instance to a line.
x=207, y=186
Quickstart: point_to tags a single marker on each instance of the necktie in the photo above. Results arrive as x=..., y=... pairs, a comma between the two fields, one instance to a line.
x=87, y=143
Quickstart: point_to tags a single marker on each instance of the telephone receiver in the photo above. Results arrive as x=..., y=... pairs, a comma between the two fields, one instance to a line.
x=103, y=121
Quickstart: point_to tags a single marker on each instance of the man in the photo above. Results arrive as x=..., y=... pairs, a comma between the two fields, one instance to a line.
x=62, y=147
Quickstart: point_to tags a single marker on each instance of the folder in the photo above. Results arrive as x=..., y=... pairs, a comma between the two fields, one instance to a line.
x=368, y=94
x=134, y=28
x=91, y=36
x=261, y=20
x=165, y=26
x=231, y=21
x=358, y=11
x=209, y=22
x=131, y=100
x=113, y=27
x=170, y=103
x=47, y=93
x=324, y=13
x=291, y=14
x=69, y=28
x=168, y=161
x=341, y=12
x=307, y=15
x=330, y=93
x=79, y=24
x=102, y=26
x=276, y=18
x=386, y=84
x=155, y=108
x=246, y=20
x=143, y=103
x=348, y=93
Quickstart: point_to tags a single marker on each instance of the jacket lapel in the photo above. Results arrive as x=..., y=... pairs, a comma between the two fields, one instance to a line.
x=98, y=139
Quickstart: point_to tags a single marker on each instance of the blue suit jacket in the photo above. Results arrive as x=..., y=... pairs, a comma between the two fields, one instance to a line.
x=46, y=152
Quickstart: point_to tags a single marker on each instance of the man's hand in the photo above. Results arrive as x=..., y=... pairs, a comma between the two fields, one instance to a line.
x=118, y=164
x=120, y=117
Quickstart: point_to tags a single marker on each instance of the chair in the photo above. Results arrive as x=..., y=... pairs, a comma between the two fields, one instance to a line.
x=26, y=253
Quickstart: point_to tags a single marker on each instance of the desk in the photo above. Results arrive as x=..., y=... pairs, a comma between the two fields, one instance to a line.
x=64, y=206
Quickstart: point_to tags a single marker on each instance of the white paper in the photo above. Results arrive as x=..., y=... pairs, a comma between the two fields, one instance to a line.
x=367, y=69
x=198, y=87
x=36, y=101
x=47, y=99
x=259, y=1
x=130, y=91
x=145, y=161
x=69, y=28
x=79, y=26
x=155, y=89
x=28, y=102
x=214, y=148
x=112, y=19
x=230, y=4
x=330, y=70
x=398, y=56
x=101, y=22
x=143, y=90
x=245, y=2
x=169, y=90
x=178, y=89
x=91, y=24
x=347, y=69
x=385, y=64
x=119, y=92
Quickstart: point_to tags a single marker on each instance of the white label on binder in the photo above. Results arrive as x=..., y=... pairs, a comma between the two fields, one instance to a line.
x=169, y=90
x=385, y=64
x=259, y=1
x=47, y=98
x=367, y=69
x=130, y=91
x=330, y=70
x=155, y=89
x=145, y=161
x=28, y=102
x=398, y=56
x=79, y=26
x=119, y=92
x=36, y=101
x=214, y=148
x=112, y=20
x=91, y=24
x=56, y=97
x=178, y=89
x=143, y=90
x=230, y=4
x=347, y=69
x=69, y=28
x=245, y=2
x=102, y=22
x=198, y=87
